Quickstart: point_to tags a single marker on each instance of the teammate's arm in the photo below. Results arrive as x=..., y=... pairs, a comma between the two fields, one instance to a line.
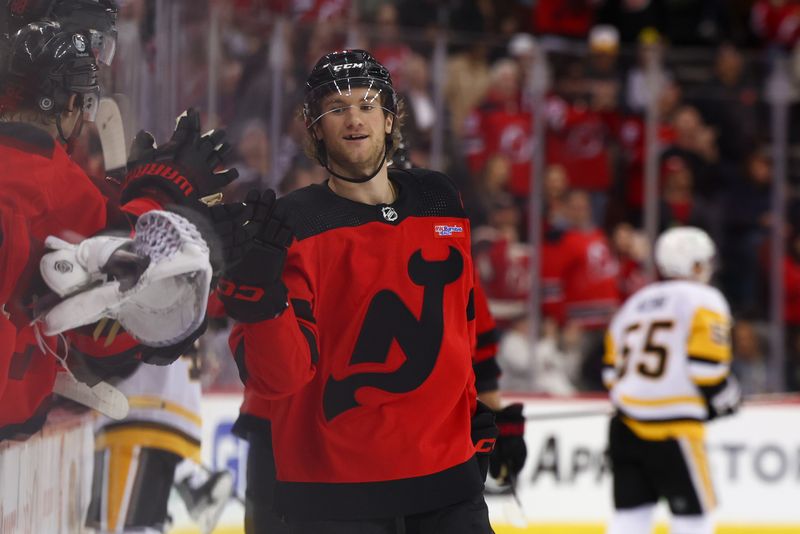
x=266, y=289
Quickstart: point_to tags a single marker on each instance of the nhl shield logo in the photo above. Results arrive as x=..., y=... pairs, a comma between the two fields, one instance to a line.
x=389, y=213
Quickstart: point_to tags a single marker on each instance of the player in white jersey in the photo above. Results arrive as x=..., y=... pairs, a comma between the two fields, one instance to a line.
x=140, y=458
x=667, y=367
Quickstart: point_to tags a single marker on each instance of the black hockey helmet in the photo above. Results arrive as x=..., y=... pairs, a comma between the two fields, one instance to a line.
x=97, y=18
x=46, y=66
x=341, y=72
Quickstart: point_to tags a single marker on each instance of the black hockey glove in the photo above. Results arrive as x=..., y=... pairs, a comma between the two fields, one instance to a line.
x=484, y=436
x=183, y=169
x=723, y=399
x=252, y=290
x=232, y=225
x=510, y=451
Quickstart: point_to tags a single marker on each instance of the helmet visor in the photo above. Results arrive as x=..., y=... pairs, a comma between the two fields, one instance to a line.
x=339, y=95
x=104, y=45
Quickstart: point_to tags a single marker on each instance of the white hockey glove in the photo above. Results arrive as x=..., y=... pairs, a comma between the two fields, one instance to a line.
x=156, y=285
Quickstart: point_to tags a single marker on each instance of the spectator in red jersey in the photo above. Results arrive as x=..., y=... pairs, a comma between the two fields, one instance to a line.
x=500, y=125
x=579, y=139
x=791, y=310
x=503, y=262
x=776, y=22
x=589, y=274
x=565, y=18
x=631, y=249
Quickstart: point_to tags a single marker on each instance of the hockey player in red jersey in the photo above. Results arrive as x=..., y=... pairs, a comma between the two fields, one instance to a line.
x=51, y=52
x=360, y=334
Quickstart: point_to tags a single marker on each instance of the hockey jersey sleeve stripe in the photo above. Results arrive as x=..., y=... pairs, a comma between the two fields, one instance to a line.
x=302, y=309
x=488, y=338
x=664, y=401
x=709, y=336
x=486, y=374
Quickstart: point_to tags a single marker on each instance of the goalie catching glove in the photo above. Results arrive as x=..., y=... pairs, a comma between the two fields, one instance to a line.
x=255, y=236
x=156, y=284
x=184, y=169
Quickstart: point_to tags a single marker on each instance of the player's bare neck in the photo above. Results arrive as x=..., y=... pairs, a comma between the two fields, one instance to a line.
x=379, y=190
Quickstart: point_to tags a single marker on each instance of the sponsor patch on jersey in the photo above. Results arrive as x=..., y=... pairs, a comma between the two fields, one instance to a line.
x=449, y=230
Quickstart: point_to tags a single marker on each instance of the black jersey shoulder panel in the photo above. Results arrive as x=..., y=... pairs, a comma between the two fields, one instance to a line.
x=27, y=138
x=315, y=209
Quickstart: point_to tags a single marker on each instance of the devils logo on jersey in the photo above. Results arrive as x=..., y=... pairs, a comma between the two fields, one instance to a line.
x=389, y=319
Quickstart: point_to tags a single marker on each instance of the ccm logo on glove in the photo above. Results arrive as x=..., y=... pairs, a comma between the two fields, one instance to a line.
x=242, y=292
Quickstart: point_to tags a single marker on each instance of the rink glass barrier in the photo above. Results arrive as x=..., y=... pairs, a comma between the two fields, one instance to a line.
x=588, y=117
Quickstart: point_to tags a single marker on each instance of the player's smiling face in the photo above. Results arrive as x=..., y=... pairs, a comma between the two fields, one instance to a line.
x=354, y=127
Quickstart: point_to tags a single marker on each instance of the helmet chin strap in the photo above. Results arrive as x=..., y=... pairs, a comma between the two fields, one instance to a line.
x=359, y=180
x=74, y=134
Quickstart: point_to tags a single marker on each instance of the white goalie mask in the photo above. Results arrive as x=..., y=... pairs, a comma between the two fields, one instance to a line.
x=679, y=250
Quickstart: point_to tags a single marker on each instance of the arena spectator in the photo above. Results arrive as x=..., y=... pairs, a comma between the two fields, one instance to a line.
x=749, y=357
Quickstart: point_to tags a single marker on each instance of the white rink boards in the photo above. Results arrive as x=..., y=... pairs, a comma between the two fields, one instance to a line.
x=566, y=486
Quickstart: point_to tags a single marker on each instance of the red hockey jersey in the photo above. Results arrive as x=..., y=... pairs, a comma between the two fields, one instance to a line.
x=54, y=197
x=369, y=371
x=589, y=274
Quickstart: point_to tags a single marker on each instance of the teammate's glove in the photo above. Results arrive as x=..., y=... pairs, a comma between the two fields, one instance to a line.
x=510, y=451
x=252, y=290
x=723, y=399
x=183, y=169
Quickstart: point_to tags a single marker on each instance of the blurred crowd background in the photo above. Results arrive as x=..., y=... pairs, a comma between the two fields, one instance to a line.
x=576, y=129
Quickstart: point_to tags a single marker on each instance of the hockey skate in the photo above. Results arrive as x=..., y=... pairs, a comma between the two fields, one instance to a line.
x=206, y=502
